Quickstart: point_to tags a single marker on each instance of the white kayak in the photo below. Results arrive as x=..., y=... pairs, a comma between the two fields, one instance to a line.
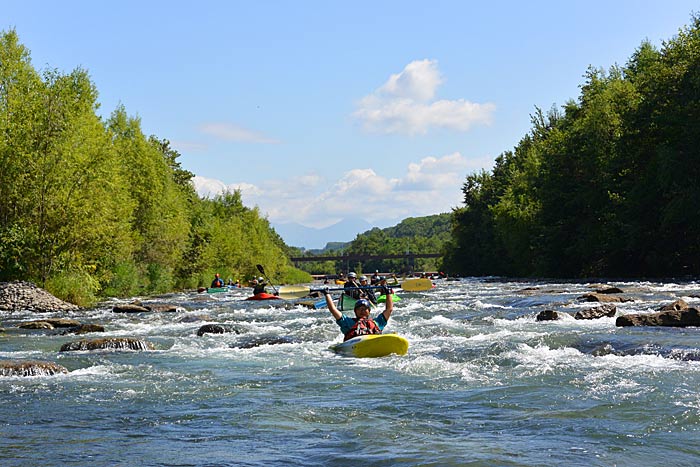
x=373, y=345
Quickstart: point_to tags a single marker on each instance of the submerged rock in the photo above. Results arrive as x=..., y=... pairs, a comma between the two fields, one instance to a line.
x=216, y=329
x=30, y=368
x=113, y=343
x=265, y=340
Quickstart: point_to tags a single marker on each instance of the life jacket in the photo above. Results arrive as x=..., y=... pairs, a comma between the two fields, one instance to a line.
x=363, y=327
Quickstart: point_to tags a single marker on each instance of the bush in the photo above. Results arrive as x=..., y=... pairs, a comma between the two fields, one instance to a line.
x=160, y=278
x=76, y=287
x=124, y=282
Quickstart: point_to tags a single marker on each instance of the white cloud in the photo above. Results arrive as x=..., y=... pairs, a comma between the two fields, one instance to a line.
x=404, y=104
x=429, y=186
x=210, y=187
x=418, y=81
x=231, y=132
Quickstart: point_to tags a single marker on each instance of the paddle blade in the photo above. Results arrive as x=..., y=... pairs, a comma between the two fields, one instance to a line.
x=260, y=268
x=417, y=285
x=293, y=291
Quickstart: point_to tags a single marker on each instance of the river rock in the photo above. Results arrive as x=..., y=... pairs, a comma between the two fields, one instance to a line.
x=25, y=296
x=113, y=343
x=35, y=325
x=673, y=318
x=216, y=329
x=85, y=329
x=130, y=308
x=606, y=310
x=603, y=298
x=30, y=368
x=547, y=315
x=50, y=323
x=678, y=305
x=164, y=308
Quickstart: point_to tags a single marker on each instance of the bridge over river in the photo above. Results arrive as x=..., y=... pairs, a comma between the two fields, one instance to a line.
x=347, y=258
x=359, y=258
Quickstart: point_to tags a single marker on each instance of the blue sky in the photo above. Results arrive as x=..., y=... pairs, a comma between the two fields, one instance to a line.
x=321, y=110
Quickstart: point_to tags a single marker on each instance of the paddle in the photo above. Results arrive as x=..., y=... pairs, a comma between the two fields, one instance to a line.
x=299, y=291
x=262, y=271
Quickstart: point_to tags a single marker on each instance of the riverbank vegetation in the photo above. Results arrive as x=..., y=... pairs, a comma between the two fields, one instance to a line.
x=606, y=186
x=92, y=207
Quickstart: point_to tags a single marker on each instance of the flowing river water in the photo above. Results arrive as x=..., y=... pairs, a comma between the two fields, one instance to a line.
x=483, y=384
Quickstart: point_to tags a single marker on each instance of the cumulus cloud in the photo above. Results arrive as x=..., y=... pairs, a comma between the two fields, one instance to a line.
x=210, y=187
x=231, y=132
x=405, y=104
x=428, y=186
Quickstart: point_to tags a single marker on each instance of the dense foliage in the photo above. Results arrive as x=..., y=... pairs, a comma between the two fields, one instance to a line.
x=606, y=187
x=92, y=207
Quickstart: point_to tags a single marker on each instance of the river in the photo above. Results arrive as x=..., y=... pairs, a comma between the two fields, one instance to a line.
x=483, y=384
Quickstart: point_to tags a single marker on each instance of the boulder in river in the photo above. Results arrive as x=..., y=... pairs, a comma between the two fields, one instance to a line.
x=672, y=318
x=30, y=368
x=606, y=310
x=112, y=343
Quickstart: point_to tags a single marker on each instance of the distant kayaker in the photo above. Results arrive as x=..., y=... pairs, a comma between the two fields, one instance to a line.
x=361, y=324
x=259, y=287
x=369, y=293
x=217, y=282
x=351, y=286
x=374, y=280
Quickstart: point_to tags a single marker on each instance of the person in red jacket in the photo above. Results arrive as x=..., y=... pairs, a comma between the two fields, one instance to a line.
x=362, y=323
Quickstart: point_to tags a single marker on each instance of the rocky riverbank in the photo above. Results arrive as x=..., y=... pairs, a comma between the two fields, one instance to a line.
x=26, y=296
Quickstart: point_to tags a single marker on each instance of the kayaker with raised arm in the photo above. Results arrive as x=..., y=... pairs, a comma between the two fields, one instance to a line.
x=361, y=324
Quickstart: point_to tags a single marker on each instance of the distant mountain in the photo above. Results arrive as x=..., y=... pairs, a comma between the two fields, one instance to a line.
x=300, y=236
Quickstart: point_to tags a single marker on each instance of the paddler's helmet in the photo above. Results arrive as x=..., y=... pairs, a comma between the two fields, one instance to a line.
x=352, y=275
x=363, y=278
x=362, y=302
x=260, y=279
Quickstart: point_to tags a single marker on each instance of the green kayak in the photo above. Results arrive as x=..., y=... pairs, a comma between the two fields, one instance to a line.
x=346, y=302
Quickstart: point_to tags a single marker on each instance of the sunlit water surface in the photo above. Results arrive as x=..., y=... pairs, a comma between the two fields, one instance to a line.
x=483, y=384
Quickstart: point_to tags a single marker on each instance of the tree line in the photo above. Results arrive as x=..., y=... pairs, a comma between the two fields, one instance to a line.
x=91, y=207
x=425, y=234
x=606, y=186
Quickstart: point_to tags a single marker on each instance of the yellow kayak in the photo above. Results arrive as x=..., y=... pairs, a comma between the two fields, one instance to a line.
x=373, y=345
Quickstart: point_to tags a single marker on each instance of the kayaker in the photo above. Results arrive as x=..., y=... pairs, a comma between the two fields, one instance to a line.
x=259, y=287
x=351, y=286
x=369, y=293
x=361, y=324
x=217, y=282
x=374, y=280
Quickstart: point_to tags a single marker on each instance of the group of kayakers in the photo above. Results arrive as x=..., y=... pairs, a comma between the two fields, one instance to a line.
x=355, y=287
x=218, y=282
